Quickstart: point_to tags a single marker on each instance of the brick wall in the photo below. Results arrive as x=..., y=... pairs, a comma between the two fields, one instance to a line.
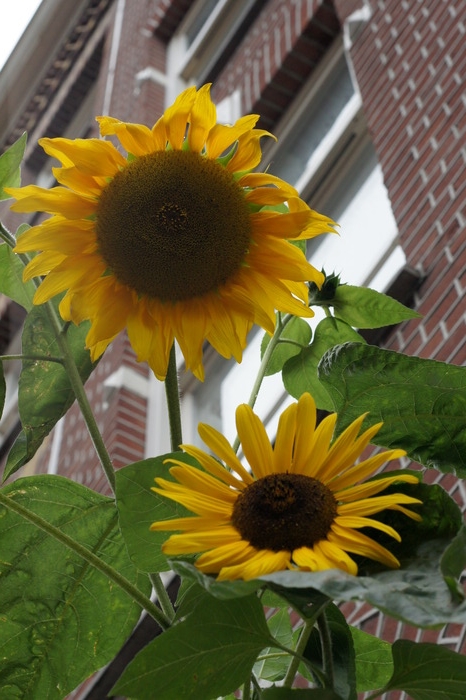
x=410, y=64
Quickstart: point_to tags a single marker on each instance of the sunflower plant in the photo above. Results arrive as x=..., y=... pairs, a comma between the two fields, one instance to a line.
x=171, y=235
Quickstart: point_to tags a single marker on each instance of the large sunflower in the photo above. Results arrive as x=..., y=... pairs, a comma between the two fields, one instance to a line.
x=301, y=508
x=178, y=240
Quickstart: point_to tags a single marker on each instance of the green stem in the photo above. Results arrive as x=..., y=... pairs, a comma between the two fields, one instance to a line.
x=91, y=559
x=81, y=396
x=297, y=656
x=247, y=689
x=7, y=236
x=38, y=358
x=162, y=596
x=326, y=645
x=273, y=342
x=173, y=402
x=172, y=393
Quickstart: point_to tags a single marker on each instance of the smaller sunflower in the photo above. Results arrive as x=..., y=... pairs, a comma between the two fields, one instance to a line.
x=302, y=506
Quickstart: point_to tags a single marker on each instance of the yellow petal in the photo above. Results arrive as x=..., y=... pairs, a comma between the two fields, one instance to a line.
x=176, y=117
x=358, y=543
x=305, y=427
x=222, y=448
x=248, y=154
x=213, y=467
x=193, y=543
x=57, y=200
x=256, y=445
x=136, y=139
x=203, y=118
x=260, y=564
x=222, y=136
x=93, y=157
x=370, y=488
x=200, y=482
x=284, y=441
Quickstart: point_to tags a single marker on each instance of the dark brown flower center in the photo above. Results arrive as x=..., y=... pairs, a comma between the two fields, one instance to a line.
x=284, y=512
x=173, y=225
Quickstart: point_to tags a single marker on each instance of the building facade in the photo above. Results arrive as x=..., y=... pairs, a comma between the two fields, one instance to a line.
x=368, y=102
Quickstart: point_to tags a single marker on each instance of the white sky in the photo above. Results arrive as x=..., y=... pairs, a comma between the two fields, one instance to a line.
x=14, y=18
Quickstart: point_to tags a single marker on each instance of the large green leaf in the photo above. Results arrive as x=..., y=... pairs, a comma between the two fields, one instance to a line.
x=10, y=163
x=11, y=278
x=45, y=392
x=428, y=672
x=210, y=653
x=300, y=372
x=341, y=643
x=362, y=307
x=299, y=332
x=139, y=507
x=374, y=662
x=421, y=402
x=60, y=619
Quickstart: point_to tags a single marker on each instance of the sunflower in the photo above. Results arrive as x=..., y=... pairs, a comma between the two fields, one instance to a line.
x=302, y=506
x=179, y=240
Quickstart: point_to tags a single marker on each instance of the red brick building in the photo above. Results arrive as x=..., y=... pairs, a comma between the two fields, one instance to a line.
x=367, y=98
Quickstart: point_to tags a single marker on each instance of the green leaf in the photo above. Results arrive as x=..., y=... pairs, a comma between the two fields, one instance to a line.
x=300, y=372
x=139, y=507
x=428, y=672
x=274, y=668
x=44, y=392
x=11, y=278
x=2, y=389
x=421, y=402
x=362, y=307
x=208, y=654
x=10, y=163
x=341, y=644
x=374, y=662
x=61, y=619
x=299, y=694
x=296, y=330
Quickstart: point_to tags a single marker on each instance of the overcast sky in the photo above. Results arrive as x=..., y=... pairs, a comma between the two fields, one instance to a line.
x=14, y=19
